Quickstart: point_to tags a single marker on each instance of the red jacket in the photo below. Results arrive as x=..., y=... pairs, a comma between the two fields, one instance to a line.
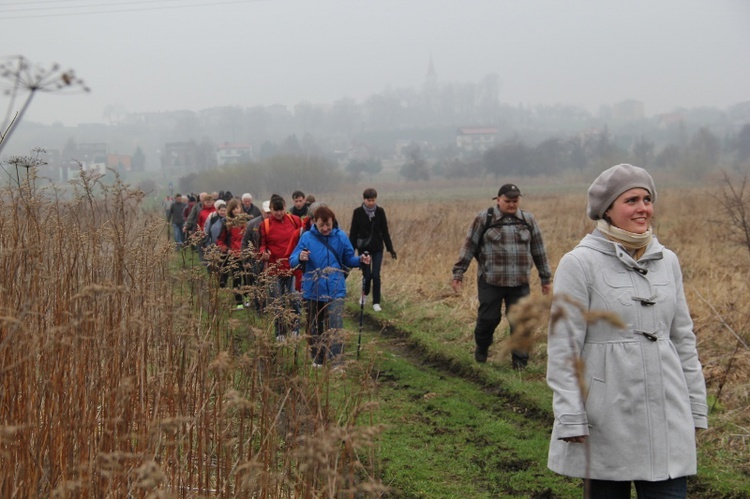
x=232, y=235
x=280, y=238
x=203, y=216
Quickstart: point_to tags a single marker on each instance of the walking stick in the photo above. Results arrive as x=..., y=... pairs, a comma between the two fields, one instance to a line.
x=361, y=310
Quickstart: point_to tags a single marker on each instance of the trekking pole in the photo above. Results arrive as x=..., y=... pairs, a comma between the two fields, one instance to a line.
x=361, y=309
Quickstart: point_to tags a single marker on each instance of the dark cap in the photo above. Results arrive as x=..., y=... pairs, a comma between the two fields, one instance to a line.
x=510, y=191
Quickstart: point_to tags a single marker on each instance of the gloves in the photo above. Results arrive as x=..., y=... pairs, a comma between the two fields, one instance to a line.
x=393, y=255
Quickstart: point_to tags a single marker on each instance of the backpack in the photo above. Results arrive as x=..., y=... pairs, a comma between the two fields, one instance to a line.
x=213, y=230
x=488, y=224
x=294, y=240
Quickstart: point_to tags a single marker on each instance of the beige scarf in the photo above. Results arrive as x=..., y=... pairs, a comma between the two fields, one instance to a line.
x=634, y=243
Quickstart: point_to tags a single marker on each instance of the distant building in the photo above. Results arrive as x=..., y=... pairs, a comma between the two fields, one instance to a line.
x=475, y=140
x=119, y=162
x=180, y=157
x=623, y=112
x=233, y=154
x=669, y=120
x=93, y=156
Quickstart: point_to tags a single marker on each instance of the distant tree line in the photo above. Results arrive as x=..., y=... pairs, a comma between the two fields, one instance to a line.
x=298, y=164
x=698, y=153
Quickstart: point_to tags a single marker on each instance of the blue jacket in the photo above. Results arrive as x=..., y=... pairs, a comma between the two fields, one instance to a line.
x=324, y=278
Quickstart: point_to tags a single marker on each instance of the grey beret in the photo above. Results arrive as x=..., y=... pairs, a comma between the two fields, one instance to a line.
x=614, y=181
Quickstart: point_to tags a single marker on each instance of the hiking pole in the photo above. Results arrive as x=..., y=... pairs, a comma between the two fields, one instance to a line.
x=361, y=308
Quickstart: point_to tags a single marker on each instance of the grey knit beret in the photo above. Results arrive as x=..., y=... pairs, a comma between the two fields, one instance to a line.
x=614, y=181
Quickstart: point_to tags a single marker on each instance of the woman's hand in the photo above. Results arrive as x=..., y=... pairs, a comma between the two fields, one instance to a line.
x=575, y=440
x=304, y=256
x=365, y=258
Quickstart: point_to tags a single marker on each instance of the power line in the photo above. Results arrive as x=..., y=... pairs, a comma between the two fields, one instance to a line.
x=26, y=5
x=102, y=9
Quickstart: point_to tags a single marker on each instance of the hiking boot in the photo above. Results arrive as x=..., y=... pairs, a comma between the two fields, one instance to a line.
x=480, y=355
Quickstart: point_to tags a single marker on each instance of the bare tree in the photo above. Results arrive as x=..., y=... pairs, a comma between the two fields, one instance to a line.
x=734, y=199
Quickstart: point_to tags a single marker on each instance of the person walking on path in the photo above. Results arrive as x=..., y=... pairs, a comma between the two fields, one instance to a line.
x=369, y=232
x=252, y=259
x=230, y=243
x=643, y=394
x=176, y=217
x=326, y=252
x=506, y=241
x=279, y=235
x=248, y=207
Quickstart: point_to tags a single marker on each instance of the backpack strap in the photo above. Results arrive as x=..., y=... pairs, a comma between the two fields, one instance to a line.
x=293, y=241
x=487, y=223
x=320, y=238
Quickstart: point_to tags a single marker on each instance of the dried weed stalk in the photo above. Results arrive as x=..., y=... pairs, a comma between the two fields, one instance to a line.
x=122, y=375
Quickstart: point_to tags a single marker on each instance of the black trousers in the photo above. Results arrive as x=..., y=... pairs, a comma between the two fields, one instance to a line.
x=674, y=488
x=491, y=299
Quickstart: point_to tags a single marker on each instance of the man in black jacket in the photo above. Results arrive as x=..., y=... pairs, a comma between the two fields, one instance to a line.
x=368, y=232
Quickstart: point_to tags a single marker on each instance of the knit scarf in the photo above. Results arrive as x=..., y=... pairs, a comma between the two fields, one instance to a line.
x=634, y=243
x=370, y=211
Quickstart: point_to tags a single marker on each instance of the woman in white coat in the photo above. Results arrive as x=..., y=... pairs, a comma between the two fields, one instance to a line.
x=644, y=394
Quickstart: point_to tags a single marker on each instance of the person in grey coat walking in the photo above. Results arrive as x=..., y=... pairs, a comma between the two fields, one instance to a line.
x=644, y=394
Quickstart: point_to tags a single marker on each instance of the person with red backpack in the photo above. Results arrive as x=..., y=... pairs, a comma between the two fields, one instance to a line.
x=279, y=234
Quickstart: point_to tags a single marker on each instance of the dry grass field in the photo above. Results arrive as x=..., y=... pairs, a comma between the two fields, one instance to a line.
x=429, y=226
x=123, y=374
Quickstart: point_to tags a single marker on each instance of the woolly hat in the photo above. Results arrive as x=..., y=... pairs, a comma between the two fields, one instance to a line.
x=267, y=206
x=614, y=181
x=219, y=203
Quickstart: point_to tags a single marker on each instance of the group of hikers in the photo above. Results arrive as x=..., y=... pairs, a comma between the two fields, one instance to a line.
x=274, y=255
x=628, y=394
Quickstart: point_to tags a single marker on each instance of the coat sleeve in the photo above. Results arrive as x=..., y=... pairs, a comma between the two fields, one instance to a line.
x=354, y=228
x=301, y=244
x=567, y=333
x=384, y=233
x=683, y=338
x=468, y=249
x=349, y=258
x=538, y=253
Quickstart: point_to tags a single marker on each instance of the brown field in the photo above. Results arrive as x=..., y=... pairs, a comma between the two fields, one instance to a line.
x=429, y=227
x=122, y=374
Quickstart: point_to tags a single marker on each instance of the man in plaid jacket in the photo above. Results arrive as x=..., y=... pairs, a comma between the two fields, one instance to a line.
x=506, y=241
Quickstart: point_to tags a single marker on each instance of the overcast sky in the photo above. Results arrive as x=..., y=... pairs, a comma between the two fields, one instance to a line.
x=164, y=55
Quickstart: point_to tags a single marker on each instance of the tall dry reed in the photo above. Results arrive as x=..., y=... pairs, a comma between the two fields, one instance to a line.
x=122, y=374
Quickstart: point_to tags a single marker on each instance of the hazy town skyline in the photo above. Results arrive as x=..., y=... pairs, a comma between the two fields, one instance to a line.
x=166, y=55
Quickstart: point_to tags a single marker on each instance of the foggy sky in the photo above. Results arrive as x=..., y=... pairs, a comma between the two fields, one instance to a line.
x=168, y=55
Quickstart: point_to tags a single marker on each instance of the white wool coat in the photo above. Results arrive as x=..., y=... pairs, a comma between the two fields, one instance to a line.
x=646, y=391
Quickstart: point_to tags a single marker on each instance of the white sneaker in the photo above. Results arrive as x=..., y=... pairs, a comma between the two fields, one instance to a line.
x=376, y=307
x=363, y=300
x=280, y=338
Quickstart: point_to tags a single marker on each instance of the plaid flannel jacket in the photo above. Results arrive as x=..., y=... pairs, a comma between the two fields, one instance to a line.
x=507, y=251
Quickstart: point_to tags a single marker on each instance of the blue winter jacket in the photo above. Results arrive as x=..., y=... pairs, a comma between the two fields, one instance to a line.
x=324, y=278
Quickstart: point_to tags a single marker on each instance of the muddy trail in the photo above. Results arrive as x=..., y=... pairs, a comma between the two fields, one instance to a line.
x=494, y=470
